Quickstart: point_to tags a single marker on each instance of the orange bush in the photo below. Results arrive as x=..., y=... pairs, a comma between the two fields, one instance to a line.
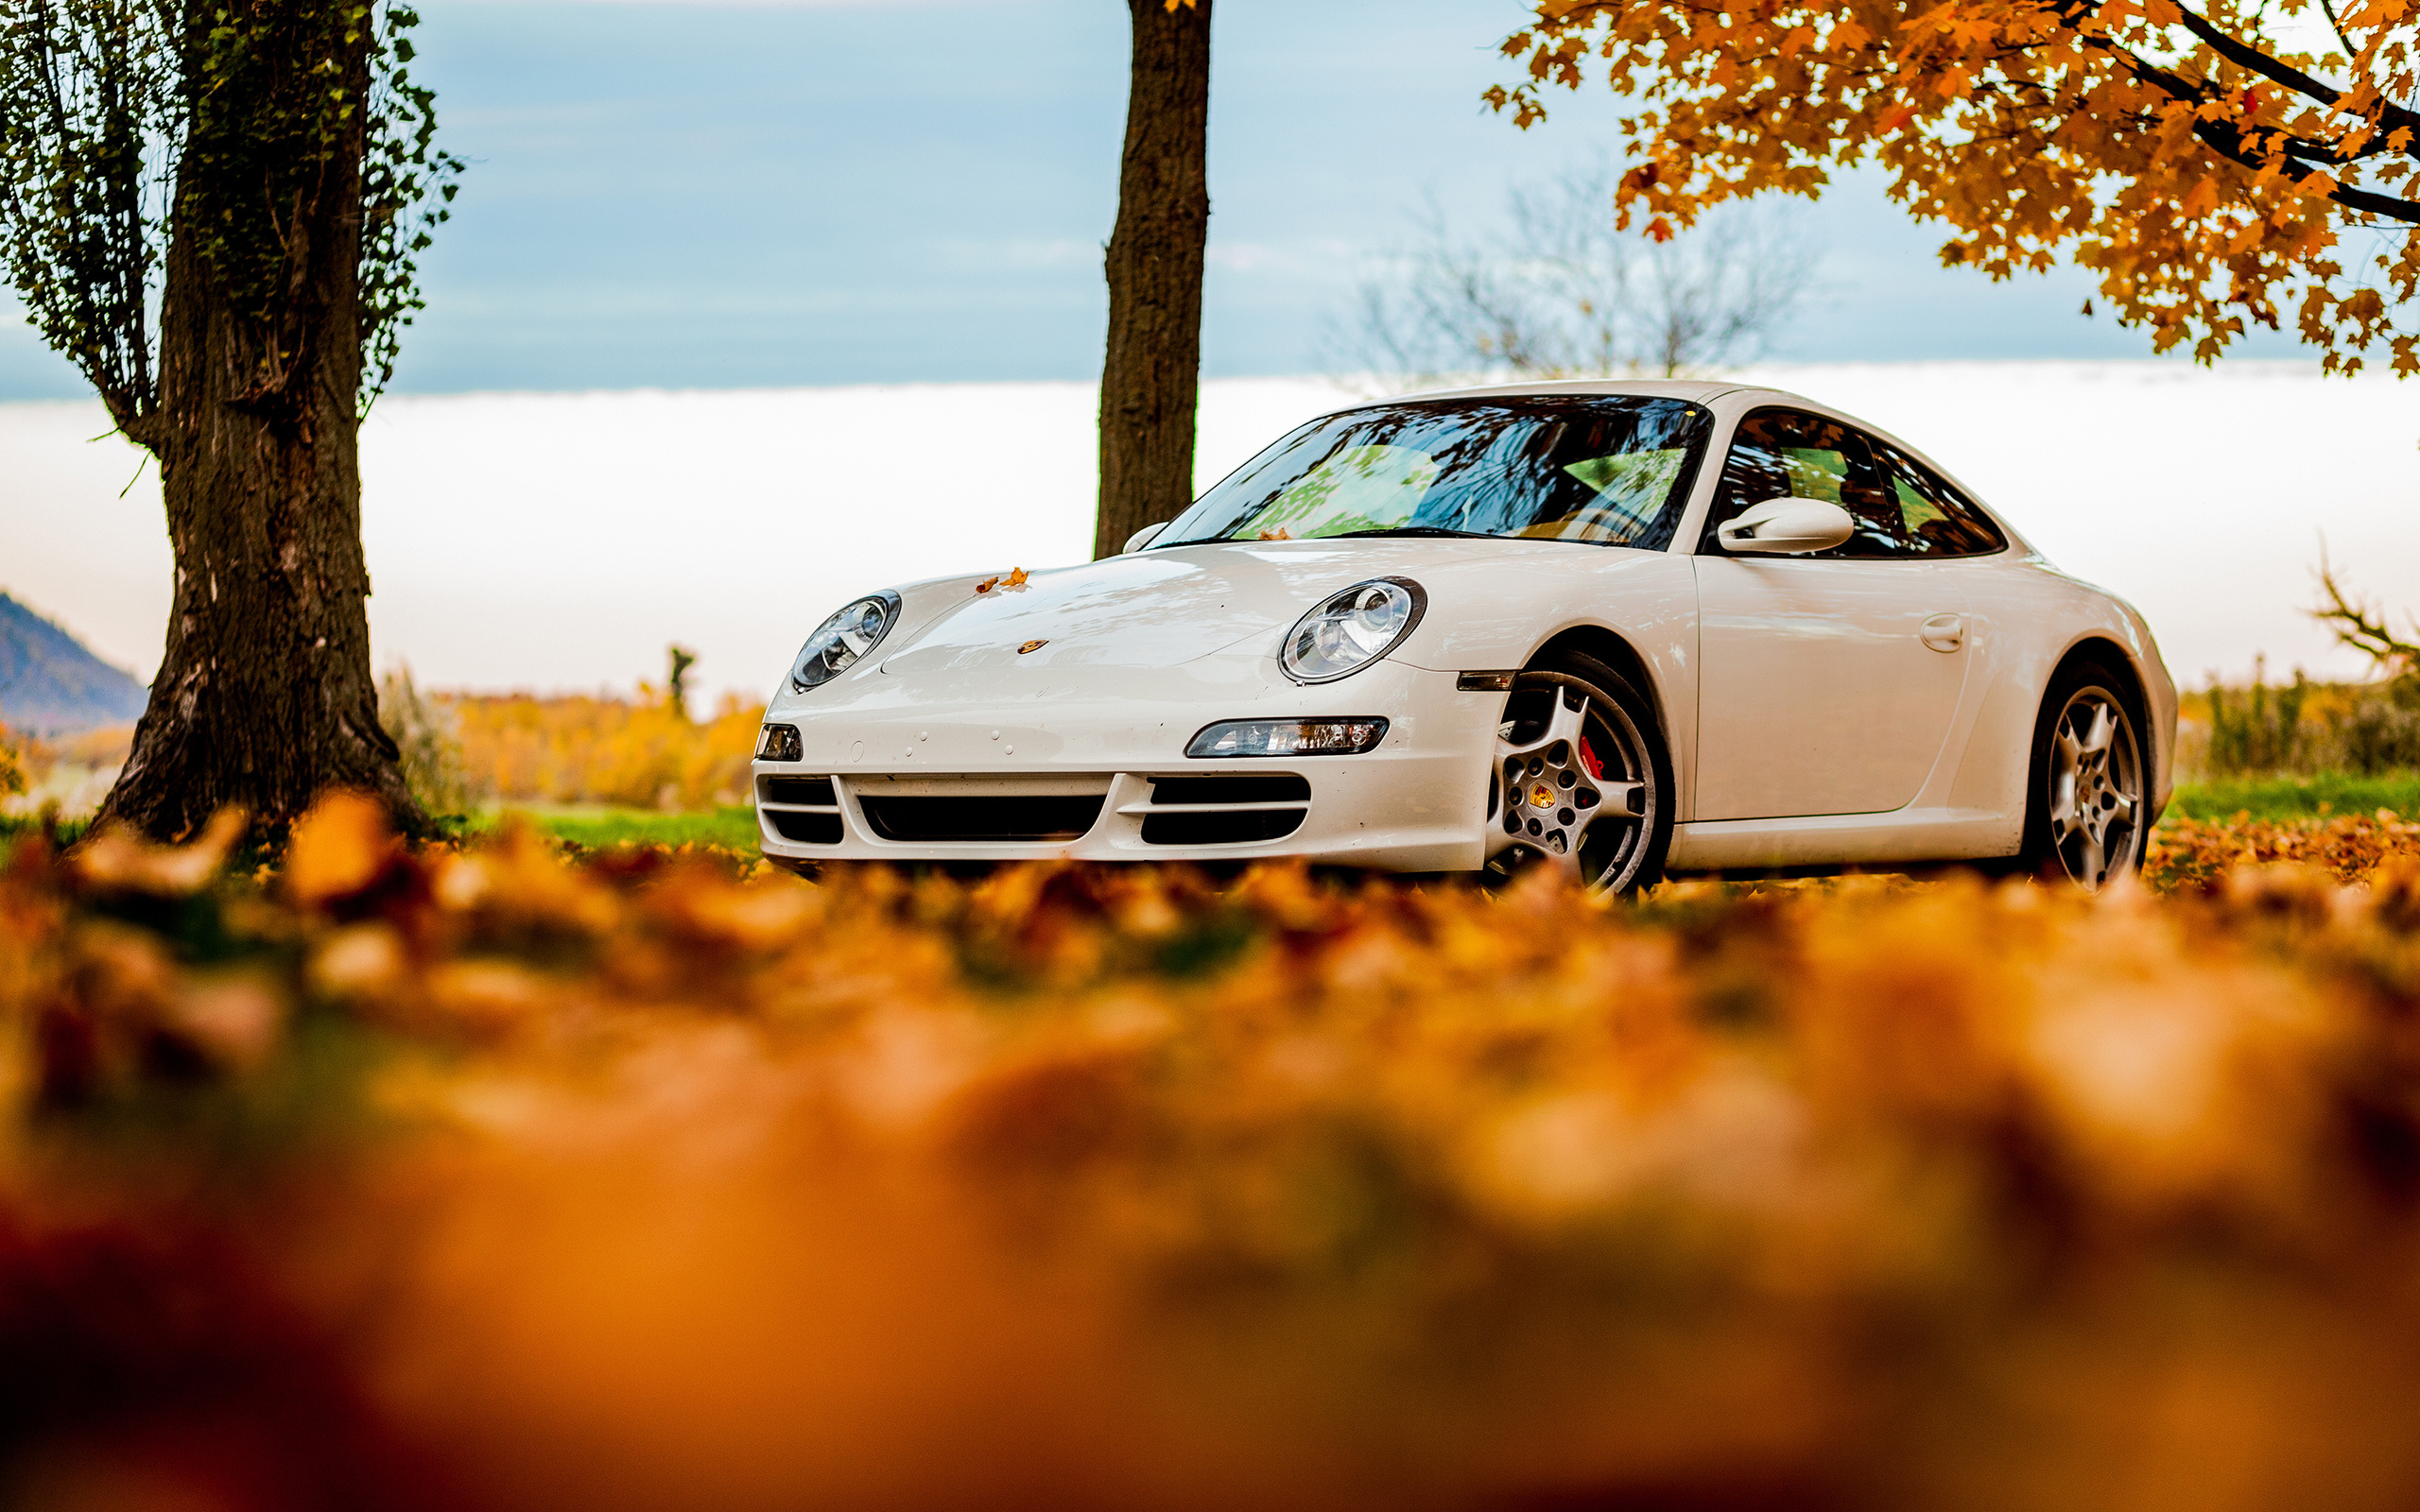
x=101, y=751
x=641, y=753
x=73, y=771
x=471, y=1177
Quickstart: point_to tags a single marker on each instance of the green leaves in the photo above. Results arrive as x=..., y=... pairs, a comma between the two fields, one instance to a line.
x=126, y=123
x=88, y=88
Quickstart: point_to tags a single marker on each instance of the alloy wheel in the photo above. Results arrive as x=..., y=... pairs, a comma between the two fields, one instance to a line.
x=2096, y=789
x=1574, y=790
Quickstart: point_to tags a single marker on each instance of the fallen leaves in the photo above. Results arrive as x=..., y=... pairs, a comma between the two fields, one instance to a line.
x=2190, y=853
x=659, y=1180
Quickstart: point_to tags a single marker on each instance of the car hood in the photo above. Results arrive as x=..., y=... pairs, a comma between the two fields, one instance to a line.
x=1136, y=612
x=1163, y=608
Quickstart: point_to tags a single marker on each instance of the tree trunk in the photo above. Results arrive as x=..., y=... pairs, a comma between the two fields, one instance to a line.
x=264, y=698
x=1150, y=383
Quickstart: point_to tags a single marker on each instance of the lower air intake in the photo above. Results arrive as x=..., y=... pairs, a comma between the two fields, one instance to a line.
x=1001, y=819
x=807, y=828
x=1231, y=822
x=1277, y=787
x=1233, y=827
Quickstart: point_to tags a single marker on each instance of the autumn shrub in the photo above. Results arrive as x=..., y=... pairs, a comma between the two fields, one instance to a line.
x=643, y=752
x=2302, y=727
x=469, y=1178
x=70, y=772
x=429, y=746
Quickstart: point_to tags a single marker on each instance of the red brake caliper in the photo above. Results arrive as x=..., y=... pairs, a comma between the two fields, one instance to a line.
x=1588, y=759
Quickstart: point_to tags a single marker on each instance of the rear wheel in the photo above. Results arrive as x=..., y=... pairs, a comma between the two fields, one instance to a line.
x=2087, y=818
x=1581, y=782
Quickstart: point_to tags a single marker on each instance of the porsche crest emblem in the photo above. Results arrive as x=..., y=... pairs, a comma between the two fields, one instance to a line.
x=1032, y=645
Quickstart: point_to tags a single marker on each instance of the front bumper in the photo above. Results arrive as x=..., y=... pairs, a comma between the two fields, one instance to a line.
x=1418, y=803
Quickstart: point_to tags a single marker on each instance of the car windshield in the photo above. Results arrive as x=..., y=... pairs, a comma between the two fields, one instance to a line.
x=1610, y=470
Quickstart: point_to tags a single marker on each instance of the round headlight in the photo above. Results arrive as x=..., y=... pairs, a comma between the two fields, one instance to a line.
x=839, y=642
x=1347, y=631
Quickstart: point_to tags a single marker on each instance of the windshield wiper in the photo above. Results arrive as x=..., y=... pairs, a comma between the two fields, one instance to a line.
x=1407, y=530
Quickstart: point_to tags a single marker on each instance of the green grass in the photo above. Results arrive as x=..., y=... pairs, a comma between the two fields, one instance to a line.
x=2263, y=798
x=2297, y=797
x=599, y=827
x=595, y=826
x=16, y=826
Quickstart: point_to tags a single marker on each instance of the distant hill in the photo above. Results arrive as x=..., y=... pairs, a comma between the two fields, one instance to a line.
x=50, y=685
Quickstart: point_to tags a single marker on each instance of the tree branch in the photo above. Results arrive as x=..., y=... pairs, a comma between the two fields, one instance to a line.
x=2328, y=8
x=2227, y=139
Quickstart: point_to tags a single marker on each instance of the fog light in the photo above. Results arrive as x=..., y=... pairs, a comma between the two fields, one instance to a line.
x=780, y=742
x=1289, y=737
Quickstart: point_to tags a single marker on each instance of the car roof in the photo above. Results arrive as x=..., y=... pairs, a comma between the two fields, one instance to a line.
x=1696, y=392
x=1688, y=389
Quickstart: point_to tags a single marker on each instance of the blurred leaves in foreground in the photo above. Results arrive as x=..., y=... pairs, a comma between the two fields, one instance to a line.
x=476, y=1178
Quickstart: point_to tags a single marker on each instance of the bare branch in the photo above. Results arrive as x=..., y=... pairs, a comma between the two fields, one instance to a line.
x=1561, y=293
x=2366, y=630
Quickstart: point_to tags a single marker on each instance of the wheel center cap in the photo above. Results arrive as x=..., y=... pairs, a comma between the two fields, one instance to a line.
x=1541, y=795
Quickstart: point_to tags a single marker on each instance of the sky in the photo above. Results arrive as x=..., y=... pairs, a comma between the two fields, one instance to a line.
x=692, y=195
x=738, y=229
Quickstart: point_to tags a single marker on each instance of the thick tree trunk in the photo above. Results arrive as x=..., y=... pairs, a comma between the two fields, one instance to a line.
x=264, y=698
x=1151, y=380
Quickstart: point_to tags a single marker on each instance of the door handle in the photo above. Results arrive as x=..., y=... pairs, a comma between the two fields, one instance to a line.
x=1943, y=632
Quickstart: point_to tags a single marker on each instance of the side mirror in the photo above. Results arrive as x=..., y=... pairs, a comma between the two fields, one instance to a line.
x=1146, y=534
x=1787, y=526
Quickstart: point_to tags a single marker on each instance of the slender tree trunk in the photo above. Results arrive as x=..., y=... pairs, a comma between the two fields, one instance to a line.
x=1150, y=383
x=264, y=697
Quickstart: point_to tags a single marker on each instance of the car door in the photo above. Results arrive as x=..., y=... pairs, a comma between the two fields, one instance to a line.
x=1828, y=682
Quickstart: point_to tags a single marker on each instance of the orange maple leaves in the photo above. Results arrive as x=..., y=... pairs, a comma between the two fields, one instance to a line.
x=2205, y=170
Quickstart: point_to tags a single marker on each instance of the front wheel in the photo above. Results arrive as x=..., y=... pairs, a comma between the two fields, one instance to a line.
x=1581, y=782
x=2088, y=817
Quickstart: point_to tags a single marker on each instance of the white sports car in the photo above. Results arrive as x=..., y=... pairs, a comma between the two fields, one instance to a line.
x=1622, y=628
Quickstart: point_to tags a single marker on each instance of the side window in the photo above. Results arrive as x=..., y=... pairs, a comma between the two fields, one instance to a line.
x=1788, y=454
x=1934, y=518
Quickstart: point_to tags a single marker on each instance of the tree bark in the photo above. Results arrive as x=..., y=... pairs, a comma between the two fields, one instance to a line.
x=1151, y=382
x=264, y=697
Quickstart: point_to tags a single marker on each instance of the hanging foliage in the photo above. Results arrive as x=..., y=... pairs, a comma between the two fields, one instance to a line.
x=2198, y=161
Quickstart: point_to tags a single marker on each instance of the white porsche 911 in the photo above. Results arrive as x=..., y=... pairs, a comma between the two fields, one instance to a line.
x=1621, y=629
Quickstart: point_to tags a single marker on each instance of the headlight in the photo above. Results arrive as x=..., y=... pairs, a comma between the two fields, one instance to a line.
x=1349, y=630
x=841, y=641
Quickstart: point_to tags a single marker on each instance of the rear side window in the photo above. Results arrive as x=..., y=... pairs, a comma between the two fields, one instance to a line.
x=1901, y=509
x=1933, y=518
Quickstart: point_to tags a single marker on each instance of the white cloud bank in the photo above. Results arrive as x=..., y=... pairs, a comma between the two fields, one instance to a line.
x=560, y=542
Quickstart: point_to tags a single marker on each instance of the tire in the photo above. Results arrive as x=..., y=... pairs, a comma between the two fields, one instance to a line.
x=2087, y=803
x=1555, y=721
